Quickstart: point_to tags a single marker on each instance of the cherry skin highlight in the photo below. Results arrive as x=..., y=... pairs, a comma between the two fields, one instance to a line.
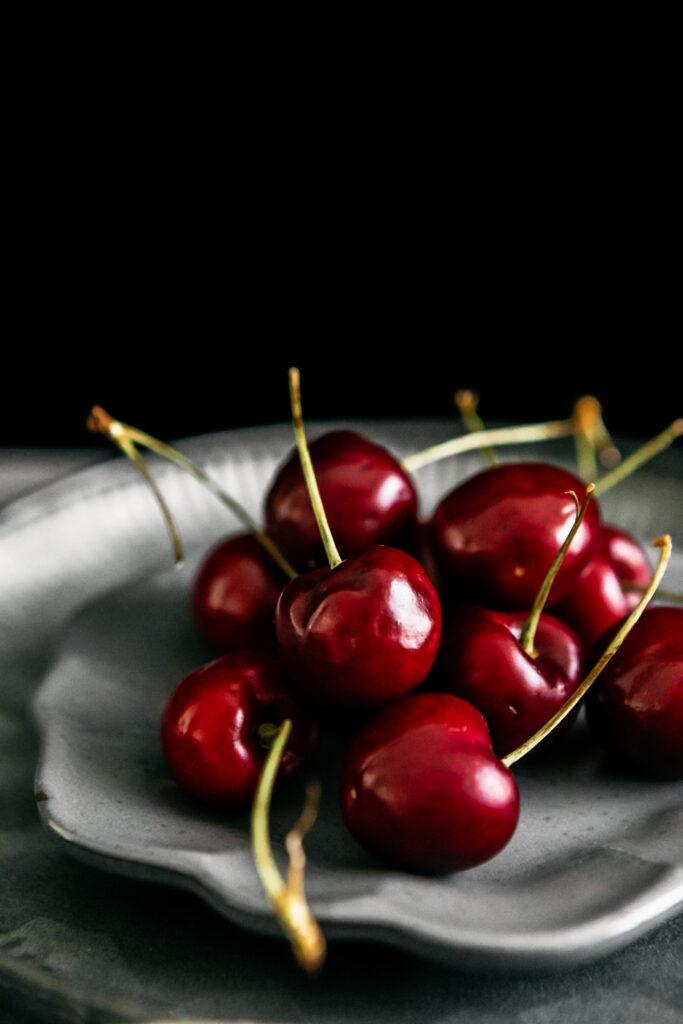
x=421, y=788
x=482, y=661
x=234, y=595
x=501, y=529
x=210, y=727
x=368, y=498
x=597, y=599
x=362, y=634
x=635, y=709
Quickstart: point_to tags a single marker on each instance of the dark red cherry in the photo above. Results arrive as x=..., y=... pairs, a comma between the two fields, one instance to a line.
x=234, y=595
x=598, y=599
x=212, y=727
x=501, y=529
x=421, y=787
x=635, y=708
x=626, y=556
x=361, y=634
x=482, y=661
x=368, y=499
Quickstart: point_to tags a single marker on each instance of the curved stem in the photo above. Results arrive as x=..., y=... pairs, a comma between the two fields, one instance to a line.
x=126, y=437
x=664, y=544
x=528, y=634
x=500, y=435
x=640, y=457
x=333, y=556
x=467, y=402
x=288, y=898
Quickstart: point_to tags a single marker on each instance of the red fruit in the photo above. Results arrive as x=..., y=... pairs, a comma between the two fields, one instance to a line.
x=362, y=634
x=482, y=661
x=421, y=787
x=368, y=498
x=501, y=529
x=635, y=709
x=597, y=599
x=210, y=727
x=235, y=593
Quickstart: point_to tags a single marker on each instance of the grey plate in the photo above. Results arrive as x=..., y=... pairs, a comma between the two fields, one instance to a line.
x=596, y=860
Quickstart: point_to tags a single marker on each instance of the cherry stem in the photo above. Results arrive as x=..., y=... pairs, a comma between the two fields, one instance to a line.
x=664, y=544
x=591, y=438
x=528, y=634
x=467, y=402
x=287, y=897
x=640, y=457
x=499, y=435
x=126, y=437
x=333, y=556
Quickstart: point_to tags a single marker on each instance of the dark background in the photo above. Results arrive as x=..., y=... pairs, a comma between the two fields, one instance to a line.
x=399, y=205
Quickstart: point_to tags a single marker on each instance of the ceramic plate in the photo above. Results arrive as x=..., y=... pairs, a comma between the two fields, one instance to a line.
x=597, y=858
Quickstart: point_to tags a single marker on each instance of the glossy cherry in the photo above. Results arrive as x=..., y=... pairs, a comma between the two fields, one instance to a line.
x=216, y=726
x=234, y=595
x=420, y=786
x=482, y=661
x=636, y=707
x=598, y=599
x=500, y=531
x=368, y=497
x=361, y=634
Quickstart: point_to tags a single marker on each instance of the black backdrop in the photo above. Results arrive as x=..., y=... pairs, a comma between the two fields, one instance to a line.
x=399, y=206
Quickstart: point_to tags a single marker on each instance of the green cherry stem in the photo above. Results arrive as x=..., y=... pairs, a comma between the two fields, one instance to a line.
x=664, y=544
x=101, y=422
x=287, y=897
x=127, y=437
x=481, y=438
x=640, y=457
x=467, y=402
x=592, y=441
x=531, y=625
x=333, y=556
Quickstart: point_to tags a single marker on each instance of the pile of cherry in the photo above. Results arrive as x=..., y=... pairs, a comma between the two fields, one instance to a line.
x=418, y=637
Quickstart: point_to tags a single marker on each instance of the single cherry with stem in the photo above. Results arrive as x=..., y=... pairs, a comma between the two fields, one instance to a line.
x=500, y=530
x=218, y=723
x=362, y=632
x=517, y=668
x=420, y=785
x=368, y=498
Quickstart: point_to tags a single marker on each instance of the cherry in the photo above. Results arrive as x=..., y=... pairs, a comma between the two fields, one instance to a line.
x=368, y=497
x=361, y=634
x=481, y=660
x=598, y=599
x=501, y=528
x=636, y=708
x=218, y=722
x=234, y=595
x=421, y=787
x=364, y=631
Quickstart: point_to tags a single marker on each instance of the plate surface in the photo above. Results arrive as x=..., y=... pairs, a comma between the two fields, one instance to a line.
x=597, y=859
